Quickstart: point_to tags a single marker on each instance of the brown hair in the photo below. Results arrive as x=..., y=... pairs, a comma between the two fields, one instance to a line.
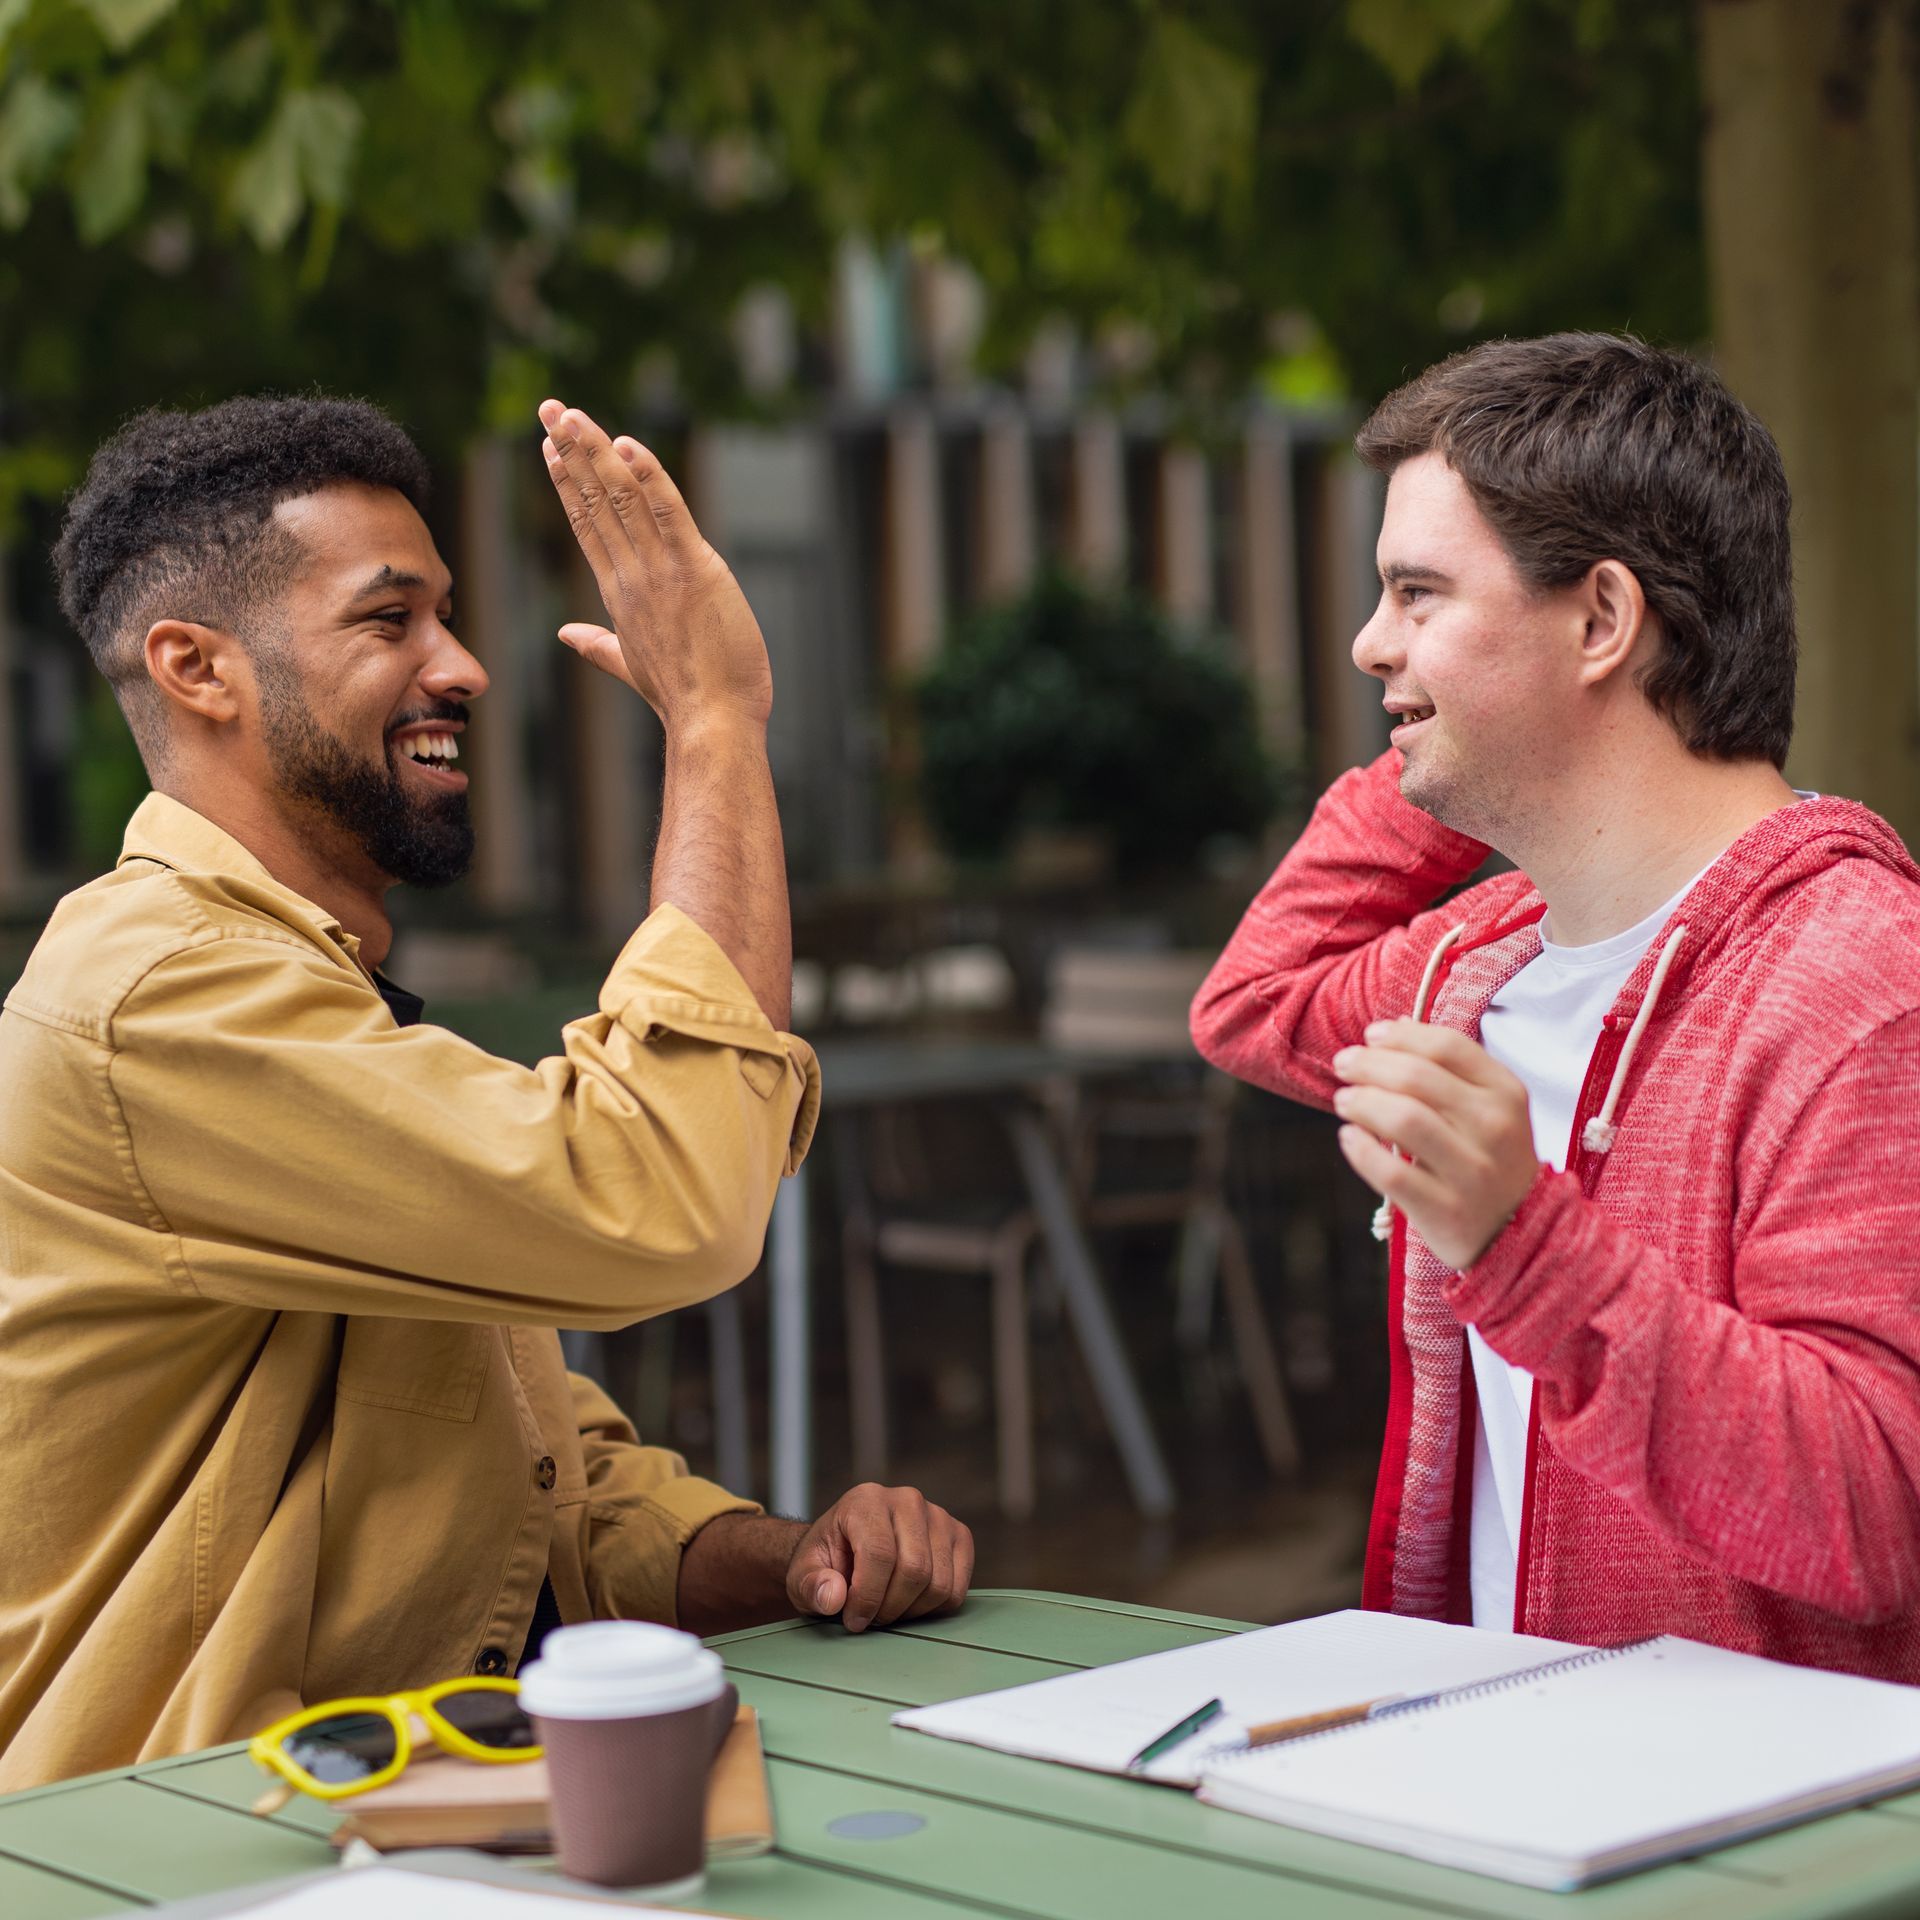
x=1582, y=447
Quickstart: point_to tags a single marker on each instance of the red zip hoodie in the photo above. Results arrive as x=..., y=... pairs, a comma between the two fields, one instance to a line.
x=1719, y=1299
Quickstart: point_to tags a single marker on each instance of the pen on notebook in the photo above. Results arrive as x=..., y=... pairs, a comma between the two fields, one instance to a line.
x=1179, y=1731
x=1272, y=1732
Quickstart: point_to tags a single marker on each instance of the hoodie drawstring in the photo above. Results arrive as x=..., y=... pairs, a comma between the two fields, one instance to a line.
x=1597, y=1136
x=1383, y=1213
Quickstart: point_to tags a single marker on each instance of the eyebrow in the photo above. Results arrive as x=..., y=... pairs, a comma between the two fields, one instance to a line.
x=1397, y=571
x=391, y=580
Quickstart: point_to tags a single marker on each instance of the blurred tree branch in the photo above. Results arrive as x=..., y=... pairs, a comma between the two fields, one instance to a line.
x=453, y=207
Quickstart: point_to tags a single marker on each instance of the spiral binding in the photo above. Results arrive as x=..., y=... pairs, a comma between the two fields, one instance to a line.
x=1223, y=1757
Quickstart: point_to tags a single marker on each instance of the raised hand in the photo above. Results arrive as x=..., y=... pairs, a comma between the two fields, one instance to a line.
x=1459, y=1118
x=683, y=636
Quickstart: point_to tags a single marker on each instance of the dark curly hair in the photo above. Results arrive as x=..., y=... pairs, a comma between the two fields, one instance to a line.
x=174, y=520
x=1581, y=447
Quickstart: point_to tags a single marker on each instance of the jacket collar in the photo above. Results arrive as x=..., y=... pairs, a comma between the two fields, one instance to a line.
x=171, y=834
x=1741, y=889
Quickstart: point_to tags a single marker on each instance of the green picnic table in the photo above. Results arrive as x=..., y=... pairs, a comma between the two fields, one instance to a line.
x=965, y=1832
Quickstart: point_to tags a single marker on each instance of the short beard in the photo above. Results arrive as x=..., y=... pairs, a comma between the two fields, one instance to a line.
x=418, y=841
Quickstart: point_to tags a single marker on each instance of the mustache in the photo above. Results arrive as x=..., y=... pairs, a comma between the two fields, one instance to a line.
x=453, y=710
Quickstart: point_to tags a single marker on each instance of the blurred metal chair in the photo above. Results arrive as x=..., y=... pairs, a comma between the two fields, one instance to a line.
x=898, y=1208
x=1104, y=1002
x=887, y=1174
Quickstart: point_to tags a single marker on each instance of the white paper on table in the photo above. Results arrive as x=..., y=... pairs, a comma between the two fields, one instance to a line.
x=385, y=1893
x=1100, y=1718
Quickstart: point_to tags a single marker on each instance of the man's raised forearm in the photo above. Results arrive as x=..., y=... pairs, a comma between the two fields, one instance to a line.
x=720, y=858
x=684, y=639
x=1335, y=939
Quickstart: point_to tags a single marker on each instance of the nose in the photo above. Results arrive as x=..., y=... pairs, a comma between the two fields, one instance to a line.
x=451, y=672
x=1376, y=648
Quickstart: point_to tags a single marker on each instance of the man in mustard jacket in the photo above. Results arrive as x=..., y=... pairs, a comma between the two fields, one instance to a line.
x=282, y=1405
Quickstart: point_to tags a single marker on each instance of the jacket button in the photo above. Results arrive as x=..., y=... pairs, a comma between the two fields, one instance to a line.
x=491, y=1661
x=546, y=1473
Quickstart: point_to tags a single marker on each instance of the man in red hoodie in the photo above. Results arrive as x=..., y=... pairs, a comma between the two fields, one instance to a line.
x=1644, y=1114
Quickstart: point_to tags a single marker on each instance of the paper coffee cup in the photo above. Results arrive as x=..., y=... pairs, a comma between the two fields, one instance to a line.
x=630, y=1716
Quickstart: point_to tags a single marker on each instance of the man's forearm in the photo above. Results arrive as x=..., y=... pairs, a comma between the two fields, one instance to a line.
x=720, y=858
x=734, y=1573
x=1334, y=939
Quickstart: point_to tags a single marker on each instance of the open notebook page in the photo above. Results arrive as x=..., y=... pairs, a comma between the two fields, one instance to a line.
x=384, y=1893
x=1102, y=1717
x=1611, y=1763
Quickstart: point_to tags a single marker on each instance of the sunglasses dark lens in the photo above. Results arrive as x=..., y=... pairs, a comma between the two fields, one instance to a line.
x=347, y=1747
x=488, y=1718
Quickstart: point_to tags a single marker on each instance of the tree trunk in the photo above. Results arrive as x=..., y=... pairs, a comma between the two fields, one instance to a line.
x=1811, y=246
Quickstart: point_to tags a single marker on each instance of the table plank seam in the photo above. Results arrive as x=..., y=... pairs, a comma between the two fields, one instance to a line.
x=1006, y=1653
x=845, y=1693
x=1127, y=1609
x=1033, y=1659
x=1306, y=1876
x=78, y=1878
x=1889, y=1813
x=875, y=1878
x=278, y=1821
x=1751, y=1876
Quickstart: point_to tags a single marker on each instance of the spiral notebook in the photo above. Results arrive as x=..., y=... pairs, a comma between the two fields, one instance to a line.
x=1592, y=1766
x=1100, y=1717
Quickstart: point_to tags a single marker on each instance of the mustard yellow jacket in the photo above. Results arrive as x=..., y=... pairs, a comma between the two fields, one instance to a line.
x=282, y=1409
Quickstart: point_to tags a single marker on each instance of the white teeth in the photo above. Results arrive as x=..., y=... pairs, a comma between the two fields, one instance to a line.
x=430, y=747
x=452, y=751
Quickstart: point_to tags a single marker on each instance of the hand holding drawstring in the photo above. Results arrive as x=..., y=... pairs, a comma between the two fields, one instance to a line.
x=1458, y=1116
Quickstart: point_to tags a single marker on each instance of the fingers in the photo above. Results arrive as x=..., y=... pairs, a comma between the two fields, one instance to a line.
x=1414, y=1190
x=824, y=1593
x=672, y=522
x=962, y=1565
x=1460, y=1056
x=1430, y=1092
x=567, y=485
x=1405, y=1122
x=909, y=1558
x=603, y=502
x=1400, y=1071
x=939, y=1569
x=874, y=1557
x=952, y=1565
x=599, y=648
x=817, y=1573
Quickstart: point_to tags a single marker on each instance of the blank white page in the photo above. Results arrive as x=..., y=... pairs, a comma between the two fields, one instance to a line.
x=1102, y=1717
x=1611, y=1763
x=387, y=1893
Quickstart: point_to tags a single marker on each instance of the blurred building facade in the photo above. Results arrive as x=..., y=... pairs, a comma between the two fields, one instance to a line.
x=901, y=494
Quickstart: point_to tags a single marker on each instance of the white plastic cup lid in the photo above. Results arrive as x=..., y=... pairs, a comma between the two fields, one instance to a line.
x=615, y=1669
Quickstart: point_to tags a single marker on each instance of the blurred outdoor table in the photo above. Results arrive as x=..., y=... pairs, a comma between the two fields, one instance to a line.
x=900, y=1069
x=878, y=1824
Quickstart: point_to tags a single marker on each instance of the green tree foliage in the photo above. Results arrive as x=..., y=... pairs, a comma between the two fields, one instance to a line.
x=1069, y=710
x=452, y=205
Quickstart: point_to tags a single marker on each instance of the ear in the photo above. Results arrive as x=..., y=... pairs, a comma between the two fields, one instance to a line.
x=195, y=667
x=1614, y=608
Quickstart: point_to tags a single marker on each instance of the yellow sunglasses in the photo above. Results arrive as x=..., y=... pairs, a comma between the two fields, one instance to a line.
x=344, y=1747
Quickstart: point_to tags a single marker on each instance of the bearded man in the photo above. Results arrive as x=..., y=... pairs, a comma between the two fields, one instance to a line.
x=281, y=1396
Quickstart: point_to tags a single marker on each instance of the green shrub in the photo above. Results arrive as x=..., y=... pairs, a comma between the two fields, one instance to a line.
x=1070, y=710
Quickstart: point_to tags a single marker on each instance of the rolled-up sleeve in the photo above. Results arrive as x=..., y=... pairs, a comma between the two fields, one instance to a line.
x=643, y=1507
x=303, y=1152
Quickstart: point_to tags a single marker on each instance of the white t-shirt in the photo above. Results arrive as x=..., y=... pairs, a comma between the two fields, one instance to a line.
x=1542, y=1025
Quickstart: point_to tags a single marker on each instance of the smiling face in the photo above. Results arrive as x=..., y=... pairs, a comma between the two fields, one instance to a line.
x=363, y=687
x=1482, y=673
